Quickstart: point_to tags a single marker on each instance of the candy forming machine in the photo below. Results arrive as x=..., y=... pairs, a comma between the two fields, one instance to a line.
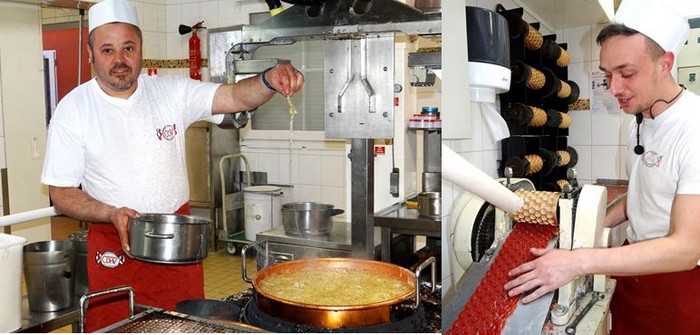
x=478, y=231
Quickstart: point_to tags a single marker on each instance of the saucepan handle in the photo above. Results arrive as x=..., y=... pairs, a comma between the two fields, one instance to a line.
x=159, y=236
x=336, y=211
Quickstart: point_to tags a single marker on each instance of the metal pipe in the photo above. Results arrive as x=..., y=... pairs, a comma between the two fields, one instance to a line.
x=362, y=190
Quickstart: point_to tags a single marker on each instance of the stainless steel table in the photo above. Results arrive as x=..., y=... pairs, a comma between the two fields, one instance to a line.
x=398, y=219
x=44, y=322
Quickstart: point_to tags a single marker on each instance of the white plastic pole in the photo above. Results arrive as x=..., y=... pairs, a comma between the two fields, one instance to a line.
x=11, y=219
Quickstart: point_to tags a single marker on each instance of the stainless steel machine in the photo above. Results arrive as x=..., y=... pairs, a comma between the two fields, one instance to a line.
x=477, y=232
x=358, y=40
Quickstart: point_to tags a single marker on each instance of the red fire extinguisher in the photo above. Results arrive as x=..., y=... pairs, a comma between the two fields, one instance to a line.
x=195, y=52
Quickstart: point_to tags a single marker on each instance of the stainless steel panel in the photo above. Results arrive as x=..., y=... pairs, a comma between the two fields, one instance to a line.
x=281, y=247
x=255, y=66
x=221, y=40
x=359, y=80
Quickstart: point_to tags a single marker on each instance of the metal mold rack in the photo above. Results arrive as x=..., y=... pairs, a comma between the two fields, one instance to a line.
x=154, y=320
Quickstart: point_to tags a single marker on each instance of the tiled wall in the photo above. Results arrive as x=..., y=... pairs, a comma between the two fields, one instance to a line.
x=598, y=136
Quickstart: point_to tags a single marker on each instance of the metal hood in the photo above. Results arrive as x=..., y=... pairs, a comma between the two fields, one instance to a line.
x=343, y=19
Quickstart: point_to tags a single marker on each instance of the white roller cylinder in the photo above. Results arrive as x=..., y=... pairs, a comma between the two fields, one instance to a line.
x=459, y=171
x=11, y=219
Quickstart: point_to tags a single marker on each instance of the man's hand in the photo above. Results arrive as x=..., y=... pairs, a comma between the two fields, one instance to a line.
x=120, y=219
x=551, y=270
x=285, y=79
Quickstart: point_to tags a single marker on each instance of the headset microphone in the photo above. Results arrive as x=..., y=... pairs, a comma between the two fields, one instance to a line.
x=638, y=149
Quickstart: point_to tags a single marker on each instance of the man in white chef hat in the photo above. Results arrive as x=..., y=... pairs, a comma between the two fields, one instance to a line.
x=116, y=148
x=658, y=278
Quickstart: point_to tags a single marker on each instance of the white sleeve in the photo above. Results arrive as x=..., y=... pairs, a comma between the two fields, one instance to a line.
x=64, y=161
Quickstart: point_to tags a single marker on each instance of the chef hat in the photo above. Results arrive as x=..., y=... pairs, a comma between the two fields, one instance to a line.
x=109, y=11
x=656, y=20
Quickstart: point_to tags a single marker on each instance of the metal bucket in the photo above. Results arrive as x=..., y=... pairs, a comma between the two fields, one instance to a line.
x=79, y=239
x=49, y=273
x=262, y=209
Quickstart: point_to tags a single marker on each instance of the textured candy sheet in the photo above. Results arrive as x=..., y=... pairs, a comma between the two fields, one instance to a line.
x=490, y=306
x=538, y=207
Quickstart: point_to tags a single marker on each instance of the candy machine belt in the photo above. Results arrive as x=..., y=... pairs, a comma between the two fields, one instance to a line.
x=489, y=306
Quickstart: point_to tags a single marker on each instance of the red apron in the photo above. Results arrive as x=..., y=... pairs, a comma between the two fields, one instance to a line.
x=155, y=285
x=665, y=303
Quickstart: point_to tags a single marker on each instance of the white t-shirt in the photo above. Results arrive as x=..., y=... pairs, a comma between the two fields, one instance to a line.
x=670, y=165
x=127, y=152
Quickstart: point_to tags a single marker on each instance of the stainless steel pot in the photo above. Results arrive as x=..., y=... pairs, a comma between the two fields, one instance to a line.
x=429, y=203
x=169, y=238
x=308, y=218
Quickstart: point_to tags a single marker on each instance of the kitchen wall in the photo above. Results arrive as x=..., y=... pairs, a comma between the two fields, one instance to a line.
x=23, y=124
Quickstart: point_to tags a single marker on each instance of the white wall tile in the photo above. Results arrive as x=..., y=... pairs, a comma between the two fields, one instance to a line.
x=595, y=48
x=162, y=43
x=606, y=162
x=580, y=73
x=578, y=40
x=173, y=17
x=191, y=13
x=308, y=193
x=490, y=159
x=332, y=171
x=625, y=120
x=149, y=17
x=232, y=13
x=176, y=48
x=284, y=170
x=581, y=127
x=584, y=167
x=162, y=18
x=151, y=45
x=310, y=168
x=268, y=162
x=582, y=182
x=209, y=12
x=623, y=161
x=605, y=129
x=334, y=196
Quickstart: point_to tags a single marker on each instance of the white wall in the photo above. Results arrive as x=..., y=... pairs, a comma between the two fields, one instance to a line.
x=23, y=120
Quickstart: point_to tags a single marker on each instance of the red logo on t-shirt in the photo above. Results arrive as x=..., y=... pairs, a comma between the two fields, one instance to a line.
x=168, y=132
x=109, y=259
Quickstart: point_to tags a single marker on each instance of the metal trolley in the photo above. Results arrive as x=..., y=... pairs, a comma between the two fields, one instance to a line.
x=231, y=201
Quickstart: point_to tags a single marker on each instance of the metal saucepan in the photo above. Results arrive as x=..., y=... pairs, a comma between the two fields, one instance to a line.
x=356, y=315
x=308, y=218
x=169, y=238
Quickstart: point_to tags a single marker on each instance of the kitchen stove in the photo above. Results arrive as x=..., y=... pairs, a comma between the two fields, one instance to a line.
x=426, y=319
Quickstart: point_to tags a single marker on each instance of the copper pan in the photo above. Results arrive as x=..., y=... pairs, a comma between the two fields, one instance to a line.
x=331, y=316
